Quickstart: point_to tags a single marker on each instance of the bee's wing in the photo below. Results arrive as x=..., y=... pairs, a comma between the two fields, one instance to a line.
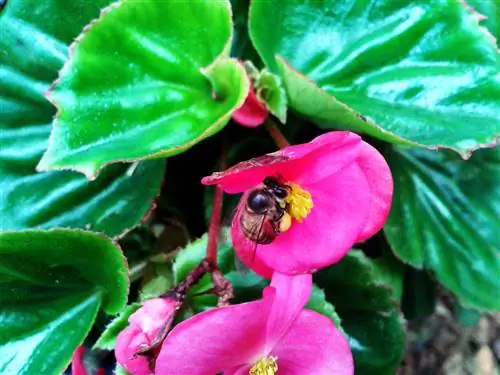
x=250, y=246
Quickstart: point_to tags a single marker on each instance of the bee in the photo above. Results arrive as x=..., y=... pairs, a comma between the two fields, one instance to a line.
x=263, y=211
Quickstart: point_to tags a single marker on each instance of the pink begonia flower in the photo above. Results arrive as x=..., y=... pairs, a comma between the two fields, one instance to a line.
x=252, y=113
x=272, y=335
x=341, y=192
x=144, y=326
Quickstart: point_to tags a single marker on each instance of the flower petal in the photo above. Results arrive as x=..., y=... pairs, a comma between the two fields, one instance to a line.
x=126, y=346
x=215, y=340
x=379, y=179
x=252, y=113
x=341, y=204
x=291, y=295
x=313, y=161
x=313, y=346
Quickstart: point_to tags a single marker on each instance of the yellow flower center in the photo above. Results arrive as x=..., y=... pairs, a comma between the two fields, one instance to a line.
x=299, y=202
x=265, y=366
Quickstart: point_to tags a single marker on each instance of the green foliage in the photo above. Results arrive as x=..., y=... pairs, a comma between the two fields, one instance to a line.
x=107, y=340
x=445, y=217
x=385, y=68
x=155, y=91
x=151, y=79
x=368, y=311
x=51, y=288
x=33, y=49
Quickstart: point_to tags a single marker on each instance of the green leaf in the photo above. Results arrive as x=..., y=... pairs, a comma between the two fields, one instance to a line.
x=107, y=340
x=154, y=90
x=370, y=316
x=35, y=35
x=51, y=287
x=317, y=302
x=490, y=10
x=410, y=71
x=445, y=217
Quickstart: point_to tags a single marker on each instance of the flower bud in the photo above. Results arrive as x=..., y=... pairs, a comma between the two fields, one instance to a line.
x=252, y=113
x=146, y=326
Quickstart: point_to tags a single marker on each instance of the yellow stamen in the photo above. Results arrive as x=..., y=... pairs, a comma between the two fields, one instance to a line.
x=266, y=366
x=299, y=202
x=285, y=222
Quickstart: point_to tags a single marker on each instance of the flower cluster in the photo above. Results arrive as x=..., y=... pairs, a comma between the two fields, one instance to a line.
x=302, y=209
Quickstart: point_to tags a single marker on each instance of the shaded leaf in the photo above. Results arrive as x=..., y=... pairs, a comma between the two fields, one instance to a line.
x=369, y=314
x=445, y=217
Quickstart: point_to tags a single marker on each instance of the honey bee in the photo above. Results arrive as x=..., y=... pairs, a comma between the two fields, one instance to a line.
x=263, y=211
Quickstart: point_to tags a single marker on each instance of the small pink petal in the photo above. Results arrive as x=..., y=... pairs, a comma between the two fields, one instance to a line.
x=77, y=366
x=153, y=314
x=313, y=346
x=216, y=340
x=126, y=346
x=252, y=113
x=291, y=295
x=379, y=179
x=341, y=204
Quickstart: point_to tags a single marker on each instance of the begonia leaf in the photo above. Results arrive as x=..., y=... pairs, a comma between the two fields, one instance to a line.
x=412, y=71
x=51, y=288
x=490, y=10
x=34, y=38
x=368, y=312
x=445, y=217
x=107, y=340
x=154, y=80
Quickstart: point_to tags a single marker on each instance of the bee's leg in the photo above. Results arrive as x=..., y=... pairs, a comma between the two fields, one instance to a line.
x=275, y=226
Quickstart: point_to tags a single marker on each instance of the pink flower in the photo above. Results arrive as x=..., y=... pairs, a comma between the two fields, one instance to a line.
x=252, y=113
x=339, y=193
x=273, y=334
x=145, y=325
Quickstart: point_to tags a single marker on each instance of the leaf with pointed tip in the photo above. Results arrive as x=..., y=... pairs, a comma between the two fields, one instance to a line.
x=368, y=312
x=408, y=72
x=445, y=217
x=489, y=9
x=51, y=288
x=154, y=75
x=35, y=36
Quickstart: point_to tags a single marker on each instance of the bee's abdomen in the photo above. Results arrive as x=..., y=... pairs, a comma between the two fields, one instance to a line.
x=257, y=231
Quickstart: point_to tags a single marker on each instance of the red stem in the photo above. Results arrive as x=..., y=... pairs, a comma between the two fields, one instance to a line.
x=276, y=134
x=214, y=227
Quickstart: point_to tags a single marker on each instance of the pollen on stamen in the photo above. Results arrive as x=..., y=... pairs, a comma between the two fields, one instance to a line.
x=265, y=366
x=299, y=202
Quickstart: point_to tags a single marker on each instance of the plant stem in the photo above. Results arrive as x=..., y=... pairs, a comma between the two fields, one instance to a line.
x=214, y=227
x=276, y=134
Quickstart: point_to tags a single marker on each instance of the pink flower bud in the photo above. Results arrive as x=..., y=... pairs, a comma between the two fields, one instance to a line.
x=252, y=113
x=146, y=324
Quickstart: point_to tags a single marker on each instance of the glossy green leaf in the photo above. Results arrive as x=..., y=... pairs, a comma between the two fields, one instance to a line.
x=412, y=71
x=369, y=314
x=490, y=13
x=51, y=287
x=156, y=78
x=445, y=217
x=35, y=35
x=107, y=340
